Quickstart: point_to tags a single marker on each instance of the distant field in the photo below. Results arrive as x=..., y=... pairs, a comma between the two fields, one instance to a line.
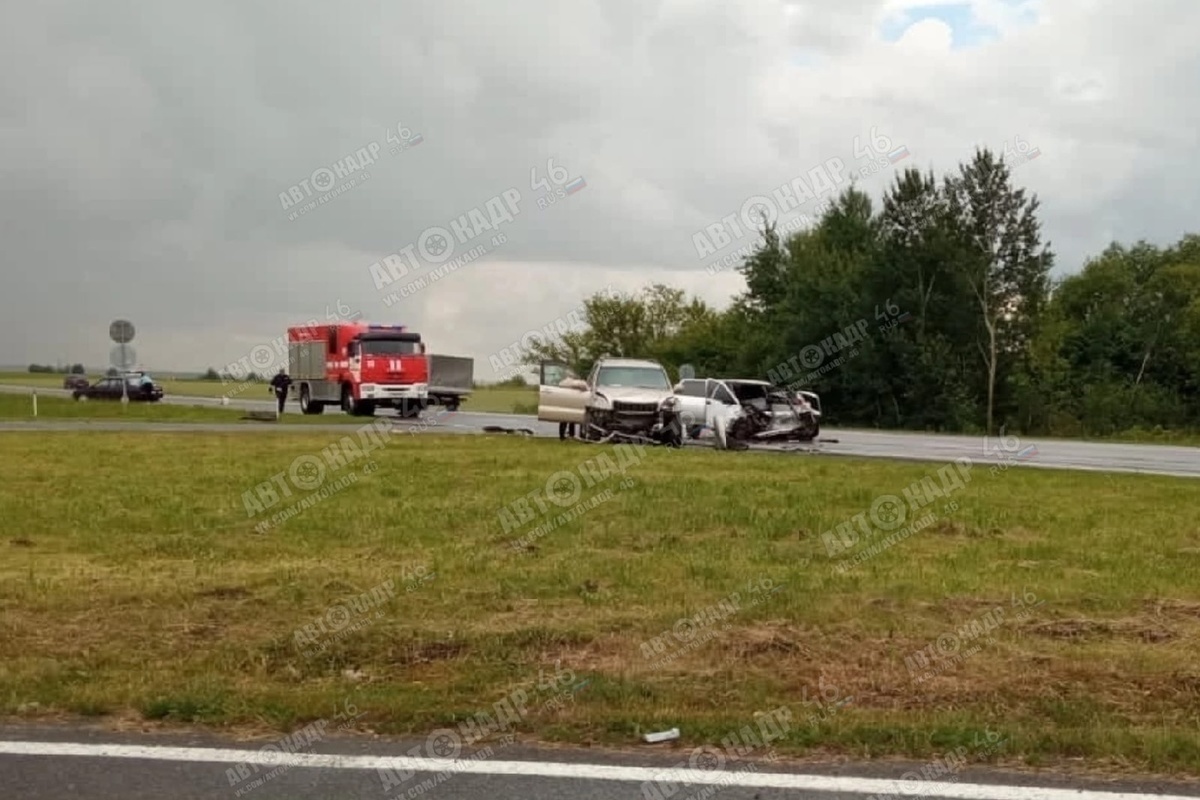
x=20, y=407
x=496, y=401
x=1091, y=579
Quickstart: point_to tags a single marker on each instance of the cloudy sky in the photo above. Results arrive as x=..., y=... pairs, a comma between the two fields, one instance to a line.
x=146, y=146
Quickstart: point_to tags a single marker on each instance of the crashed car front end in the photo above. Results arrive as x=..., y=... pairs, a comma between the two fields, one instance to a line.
x=634, y=419
x=780, y=416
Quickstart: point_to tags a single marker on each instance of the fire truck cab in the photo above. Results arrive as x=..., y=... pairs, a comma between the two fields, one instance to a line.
x=358, y=367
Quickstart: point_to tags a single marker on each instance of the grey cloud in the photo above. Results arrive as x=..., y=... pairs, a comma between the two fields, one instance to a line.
x=146, y=146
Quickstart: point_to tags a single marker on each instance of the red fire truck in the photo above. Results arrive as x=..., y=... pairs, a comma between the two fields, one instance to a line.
x=359, y=367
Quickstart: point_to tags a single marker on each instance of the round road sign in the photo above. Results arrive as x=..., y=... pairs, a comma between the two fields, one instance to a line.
x=123, y=357
x=121, y=331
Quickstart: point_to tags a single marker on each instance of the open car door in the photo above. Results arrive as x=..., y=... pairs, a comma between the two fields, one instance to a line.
x=557, y=403
x=719, y=402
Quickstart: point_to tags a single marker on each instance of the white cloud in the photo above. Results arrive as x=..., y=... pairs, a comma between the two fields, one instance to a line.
x=147, y=149
x=929, y=36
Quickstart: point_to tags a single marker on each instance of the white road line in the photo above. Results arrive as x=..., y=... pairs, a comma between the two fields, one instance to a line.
x=594, y=772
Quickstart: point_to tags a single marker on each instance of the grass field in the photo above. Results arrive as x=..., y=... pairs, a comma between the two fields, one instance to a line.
x=491, y=400
x=1095, y=655
x=20, y=407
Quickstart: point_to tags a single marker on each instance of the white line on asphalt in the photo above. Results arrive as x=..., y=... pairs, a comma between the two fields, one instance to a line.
x=554, y=769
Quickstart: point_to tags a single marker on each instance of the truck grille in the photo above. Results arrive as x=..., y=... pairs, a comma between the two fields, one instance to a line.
x=634, y=408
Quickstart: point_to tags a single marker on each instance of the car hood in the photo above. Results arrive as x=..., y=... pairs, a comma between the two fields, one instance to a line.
x=634, y=394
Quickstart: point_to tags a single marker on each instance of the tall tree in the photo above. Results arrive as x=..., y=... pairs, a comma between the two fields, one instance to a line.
x=622, y=325
x=917, y=271
x=765, y=271
x=1001, y=255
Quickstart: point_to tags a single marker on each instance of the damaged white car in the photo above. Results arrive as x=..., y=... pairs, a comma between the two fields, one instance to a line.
x=741, y=412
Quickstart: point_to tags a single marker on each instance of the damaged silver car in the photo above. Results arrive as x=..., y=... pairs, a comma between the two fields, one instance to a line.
x=623, y=399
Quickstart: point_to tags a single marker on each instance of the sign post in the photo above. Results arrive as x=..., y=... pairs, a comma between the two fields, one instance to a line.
x=123, y=358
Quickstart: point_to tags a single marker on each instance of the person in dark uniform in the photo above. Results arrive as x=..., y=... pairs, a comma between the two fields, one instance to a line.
x=280, y=385
x=564, y=428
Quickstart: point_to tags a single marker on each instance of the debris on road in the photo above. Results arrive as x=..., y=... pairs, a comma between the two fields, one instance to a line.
x=661, y=736
x=502, y=429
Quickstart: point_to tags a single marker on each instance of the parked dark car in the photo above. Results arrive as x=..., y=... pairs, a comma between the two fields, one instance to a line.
x=75, y=382
x=110, y=389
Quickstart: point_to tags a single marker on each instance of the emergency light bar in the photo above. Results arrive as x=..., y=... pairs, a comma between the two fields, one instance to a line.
x=386, y=327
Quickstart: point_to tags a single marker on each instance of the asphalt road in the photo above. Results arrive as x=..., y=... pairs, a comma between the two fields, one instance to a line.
x=52, y=762
x=1025, y=452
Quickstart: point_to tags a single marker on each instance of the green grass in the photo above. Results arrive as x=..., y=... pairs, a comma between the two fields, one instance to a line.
x=501, y=400
x=14, y=407
x=143, y=589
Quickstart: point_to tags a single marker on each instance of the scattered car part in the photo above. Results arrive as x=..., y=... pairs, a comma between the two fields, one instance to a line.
x=502, y=429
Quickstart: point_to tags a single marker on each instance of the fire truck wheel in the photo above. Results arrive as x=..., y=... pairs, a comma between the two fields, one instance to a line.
x=307, y=406
x=348, y=404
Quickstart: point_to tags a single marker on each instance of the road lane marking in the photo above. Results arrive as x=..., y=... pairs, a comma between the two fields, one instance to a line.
x=554, y=769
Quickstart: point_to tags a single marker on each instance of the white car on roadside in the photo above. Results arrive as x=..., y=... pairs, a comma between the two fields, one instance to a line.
x=743, y=411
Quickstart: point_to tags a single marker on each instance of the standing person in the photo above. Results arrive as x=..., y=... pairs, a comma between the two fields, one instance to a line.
x=147, y=384
x=280, y=385
x=565, y=428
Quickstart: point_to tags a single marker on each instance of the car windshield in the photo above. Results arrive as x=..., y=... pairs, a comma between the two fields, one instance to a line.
x=640, y=377
x=389, y=347
x=749, y=391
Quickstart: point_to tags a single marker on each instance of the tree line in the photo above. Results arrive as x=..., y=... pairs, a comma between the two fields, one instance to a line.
x=50, y=369
x=934, y=311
